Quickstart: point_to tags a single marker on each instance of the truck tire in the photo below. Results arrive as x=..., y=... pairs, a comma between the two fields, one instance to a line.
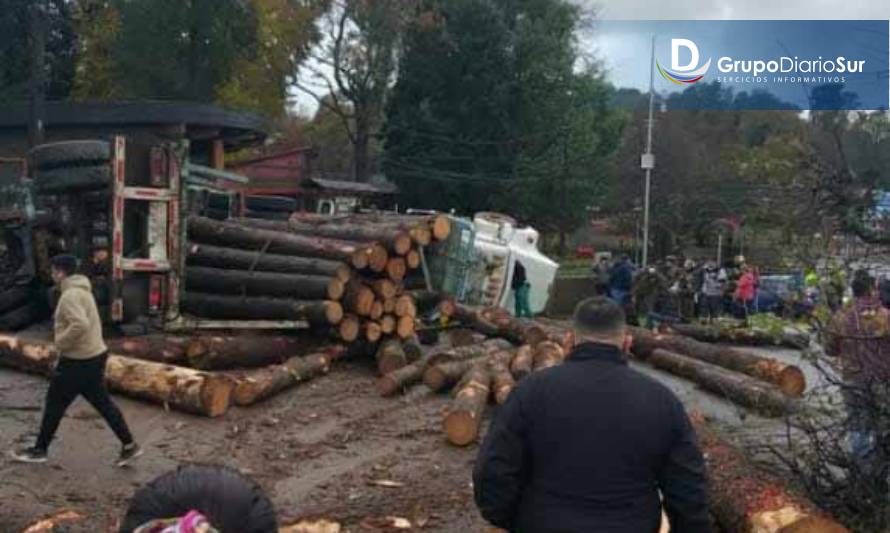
x=69, y=153
x=270, y=203
x=72, y=179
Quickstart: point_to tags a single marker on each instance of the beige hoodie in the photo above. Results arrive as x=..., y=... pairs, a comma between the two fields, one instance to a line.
x=78, y=328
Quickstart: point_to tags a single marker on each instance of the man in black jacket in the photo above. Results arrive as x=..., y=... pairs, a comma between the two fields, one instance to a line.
x=587, y=446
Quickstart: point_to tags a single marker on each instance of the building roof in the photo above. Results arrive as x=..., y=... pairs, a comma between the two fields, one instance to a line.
x=235, y=128
x=380, y=187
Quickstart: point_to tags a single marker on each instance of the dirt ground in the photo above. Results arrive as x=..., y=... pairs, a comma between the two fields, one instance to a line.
x=317, y=450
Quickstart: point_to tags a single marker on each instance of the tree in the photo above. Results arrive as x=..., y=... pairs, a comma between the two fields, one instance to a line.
x=350, y=73
x=15, y=56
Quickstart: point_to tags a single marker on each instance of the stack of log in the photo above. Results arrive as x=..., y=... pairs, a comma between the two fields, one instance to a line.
x=346, y=273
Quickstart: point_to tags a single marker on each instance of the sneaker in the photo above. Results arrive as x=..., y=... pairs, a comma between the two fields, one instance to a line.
x=29, y=455
x=128, y=453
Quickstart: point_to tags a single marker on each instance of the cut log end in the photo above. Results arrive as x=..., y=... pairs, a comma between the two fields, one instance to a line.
x=396, y=268
x=412, y=259
x=360, y=259
x=376, y=310
x=344, y=273
x=387, y=386
x=388, y=324
x=333, y=312
x=814, y=524
x=336, y=289
x=401, y=244
x=349, y=328
x=405, y=306
x=405, y=327
x=461, y=428
x=378, y=258
x=372, y=331
x=792, y=381
x=441, y=227
x=435, y=378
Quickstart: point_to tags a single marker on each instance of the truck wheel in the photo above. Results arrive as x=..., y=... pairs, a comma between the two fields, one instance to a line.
x=72, y=179
x=69, y=153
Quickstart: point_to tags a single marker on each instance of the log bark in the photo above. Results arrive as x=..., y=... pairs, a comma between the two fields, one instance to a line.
x=443, y=375
x=484, y=349
x=395, y=239
x=523, y=362
x=256, y=308
x=745, y=498
x=502, y=381
x=157, y=347
x=254, y=386
x=390, y=356
x=223, y=352
x=547, y=354
x=398, y=380
x=208, y=255
x=420, y=227
x=185, y=389
x=232, y=234
x=789, y=378
x=297, y=286
x=743, y=390
x=464, y=337
x=742, y=335
x=465, y=413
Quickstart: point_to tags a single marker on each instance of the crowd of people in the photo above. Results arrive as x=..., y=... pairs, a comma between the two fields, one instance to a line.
x=679, y=289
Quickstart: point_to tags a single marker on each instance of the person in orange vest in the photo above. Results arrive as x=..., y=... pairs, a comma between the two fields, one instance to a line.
x=746, y=289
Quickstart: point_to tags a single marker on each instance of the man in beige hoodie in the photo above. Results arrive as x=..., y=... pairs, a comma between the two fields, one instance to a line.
x=81, y=366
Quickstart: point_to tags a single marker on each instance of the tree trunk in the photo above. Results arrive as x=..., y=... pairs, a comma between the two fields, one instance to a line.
x=405, y=327
x=207, y=255
x=465, y=413
x=523, y=362
x=394, y=239
x=484, y=349
x=396, y=268
x=388, y=324
x=398, y=380
x=247, y=308
x=745, y=498
x=232, y=234
x=160, y=348
x=256, y=385
x=372, y=331
x=349, y=328
x=218, y=352
x=384, y=288
x=297, y=286
x=547, y=354
x=405, y=306
x=413, y=259
x=789, y=378
x=185, y=389
x=358, y=298
x=440, y=376
x=502, y=380
x=459, y=337
x=743, y=390
x=376, y=311
x=749, y=336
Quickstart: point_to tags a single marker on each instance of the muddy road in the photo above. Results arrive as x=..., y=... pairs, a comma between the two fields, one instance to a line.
x=331, y=449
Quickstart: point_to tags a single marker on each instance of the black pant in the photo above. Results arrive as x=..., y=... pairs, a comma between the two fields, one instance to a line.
x=72, y=378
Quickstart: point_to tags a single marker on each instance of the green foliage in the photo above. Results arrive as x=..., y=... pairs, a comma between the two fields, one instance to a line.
x=15, y=48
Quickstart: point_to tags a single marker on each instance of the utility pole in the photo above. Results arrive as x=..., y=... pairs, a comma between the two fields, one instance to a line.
x=37, y=84
x=647, y=161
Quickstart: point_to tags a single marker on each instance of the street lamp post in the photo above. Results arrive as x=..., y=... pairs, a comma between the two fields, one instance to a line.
x=647, y=161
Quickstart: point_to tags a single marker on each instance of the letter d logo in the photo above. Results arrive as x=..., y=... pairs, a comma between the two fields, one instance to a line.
x=688, y=73
x=675, y=55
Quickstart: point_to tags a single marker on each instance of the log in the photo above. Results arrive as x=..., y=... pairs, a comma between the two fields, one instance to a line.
x=465, y=413
x=358, y=298
x=387, y=324
x=157, y=347
x=376, y=311
x=372, y=331
x=224, y=352
x=745, y=498
x=547, y=354
x=397, y=240
x=232, y=258
x=185, y=389
x=743, y=390
x=398, y=380
x=412, y=260
x=232, y=234
x=396, y=268
x=743, y=335
x=441, y=227
x=440, y=376
x=789, y=378
x=523, y=362
x=484, y=349
x=349, y=328
x=389, y=305
x=390, y=356
x=464, y=337
x=502, y=381
x=254, y=386
x=405, y=306
x=405, y=327
x=257, y=308
x=384, y=289
x=413, y=350
x=429, y=301
x=297, y=286
x=420, y=227
x=378, y=259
